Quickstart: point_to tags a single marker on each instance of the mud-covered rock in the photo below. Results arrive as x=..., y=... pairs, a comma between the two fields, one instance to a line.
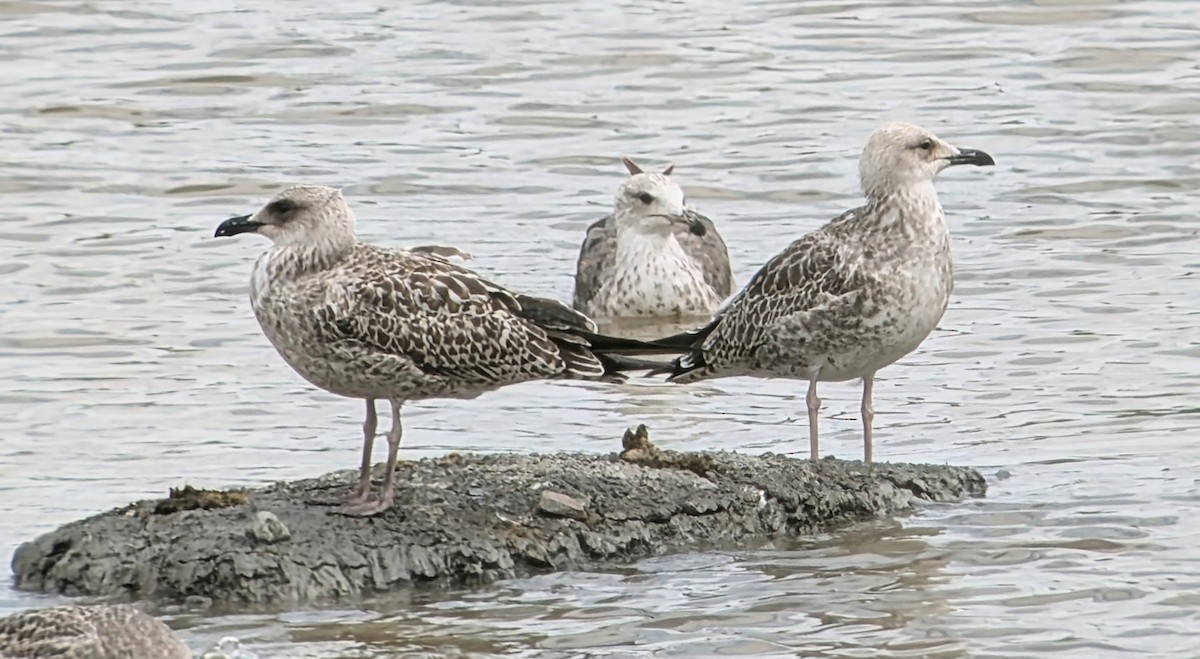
x=465, y=519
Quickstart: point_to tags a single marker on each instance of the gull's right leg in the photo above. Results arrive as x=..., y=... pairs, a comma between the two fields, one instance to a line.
x=362, y=492
x=814, y=406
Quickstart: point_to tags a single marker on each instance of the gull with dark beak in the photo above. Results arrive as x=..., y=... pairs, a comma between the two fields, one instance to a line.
x=851, y=297
x=373, y=323
x=653, y=258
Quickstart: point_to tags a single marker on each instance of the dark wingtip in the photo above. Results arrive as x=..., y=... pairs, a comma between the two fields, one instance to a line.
x=697, y=227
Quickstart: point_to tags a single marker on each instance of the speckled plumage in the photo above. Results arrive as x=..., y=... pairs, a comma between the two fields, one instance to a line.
x=633, y=265
x=88, y=632
x=387, y=323
x=367, y=322
x=851, y=297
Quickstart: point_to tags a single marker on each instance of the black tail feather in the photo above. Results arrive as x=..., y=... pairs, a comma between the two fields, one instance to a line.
x=676, y=343
x=621, y=345
x=681, y=365
x=613, y=352
x=620, y=363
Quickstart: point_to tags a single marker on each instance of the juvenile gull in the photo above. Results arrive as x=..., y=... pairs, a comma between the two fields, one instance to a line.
x=88, y=632
x=652, y=257
x=851, y=297
x=367, y=322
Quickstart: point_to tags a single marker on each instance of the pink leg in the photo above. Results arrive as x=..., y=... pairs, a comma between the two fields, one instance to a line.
x=868, y=417
x=814, y=406
x=362, y=492
x=388, y=496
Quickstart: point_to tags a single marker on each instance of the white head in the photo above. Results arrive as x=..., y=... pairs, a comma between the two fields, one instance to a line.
x=899, y=156
x=303, y=215
x=651, y=203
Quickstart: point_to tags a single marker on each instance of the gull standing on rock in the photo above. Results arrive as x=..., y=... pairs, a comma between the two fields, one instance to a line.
x=367, y=322
x=851, y=297
x=652, y=257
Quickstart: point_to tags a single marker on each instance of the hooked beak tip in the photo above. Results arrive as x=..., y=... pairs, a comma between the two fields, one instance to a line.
x=235, y=225
x=972, y=157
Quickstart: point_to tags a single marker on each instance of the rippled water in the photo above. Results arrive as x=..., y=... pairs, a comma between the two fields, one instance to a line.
x=1068, y=358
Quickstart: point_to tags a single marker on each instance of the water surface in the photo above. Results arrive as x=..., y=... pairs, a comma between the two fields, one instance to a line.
x=1067, y=360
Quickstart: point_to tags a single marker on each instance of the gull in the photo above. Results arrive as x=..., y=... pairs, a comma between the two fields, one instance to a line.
x=88, y=632
x=850, y=298
x=652, y=257
x=368, y=322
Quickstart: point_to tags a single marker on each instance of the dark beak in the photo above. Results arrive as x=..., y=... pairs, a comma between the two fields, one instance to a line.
x=235, y=225
x=971, y=157
x=690, y=219
x=694, y=222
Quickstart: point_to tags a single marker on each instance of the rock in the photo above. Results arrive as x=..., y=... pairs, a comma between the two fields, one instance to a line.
x=95, y=632
x=229, y=647
x=469, y=519
x=557, y=504
x=268, y=529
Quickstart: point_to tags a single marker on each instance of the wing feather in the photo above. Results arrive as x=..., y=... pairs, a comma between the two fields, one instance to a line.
x=449, y=321
x=597, y=255
x=807, y=277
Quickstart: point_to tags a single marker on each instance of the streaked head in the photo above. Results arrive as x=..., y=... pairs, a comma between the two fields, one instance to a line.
x=900, y=155
x=298, y=215
x=652, y=203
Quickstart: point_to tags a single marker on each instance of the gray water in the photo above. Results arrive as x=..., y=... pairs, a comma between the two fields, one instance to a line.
x=1065, y=369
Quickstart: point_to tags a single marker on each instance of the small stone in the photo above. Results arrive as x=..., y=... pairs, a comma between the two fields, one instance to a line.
x=557, y=504
x=197, y=602
x=268, y=529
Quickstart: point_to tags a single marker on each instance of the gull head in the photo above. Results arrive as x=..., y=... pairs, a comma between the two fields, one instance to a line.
x=652, y=203
x=899, y=156
x=300, y=215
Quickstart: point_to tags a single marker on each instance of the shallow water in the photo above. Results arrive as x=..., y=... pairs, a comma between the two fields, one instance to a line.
x=1067, y=362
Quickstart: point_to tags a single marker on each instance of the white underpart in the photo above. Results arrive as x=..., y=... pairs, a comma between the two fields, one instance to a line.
x=653, y=276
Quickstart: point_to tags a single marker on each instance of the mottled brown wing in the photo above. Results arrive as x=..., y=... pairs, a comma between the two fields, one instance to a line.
x=450, y=322
x=596, y=254
x=548, y=313
x=805, y=277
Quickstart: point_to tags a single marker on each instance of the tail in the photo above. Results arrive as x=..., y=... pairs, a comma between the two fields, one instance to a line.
x=674, y=344
x=616, y=364
x=592, y=356
x=682, y=365
x=622, y=346
x=685, y=344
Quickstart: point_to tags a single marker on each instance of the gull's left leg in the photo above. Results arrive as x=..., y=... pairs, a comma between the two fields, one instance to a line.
x=388, y=495
x=868, y=417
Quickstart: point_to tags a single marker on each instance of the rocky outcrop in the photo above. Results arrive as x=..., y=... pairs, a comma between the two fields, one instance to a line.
x=465, y=519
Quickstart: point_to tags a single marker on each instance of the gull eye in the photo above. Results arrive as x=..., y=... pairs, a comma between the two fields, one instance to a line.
x=926, y=144
x=281, y=207
x=645, y=198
